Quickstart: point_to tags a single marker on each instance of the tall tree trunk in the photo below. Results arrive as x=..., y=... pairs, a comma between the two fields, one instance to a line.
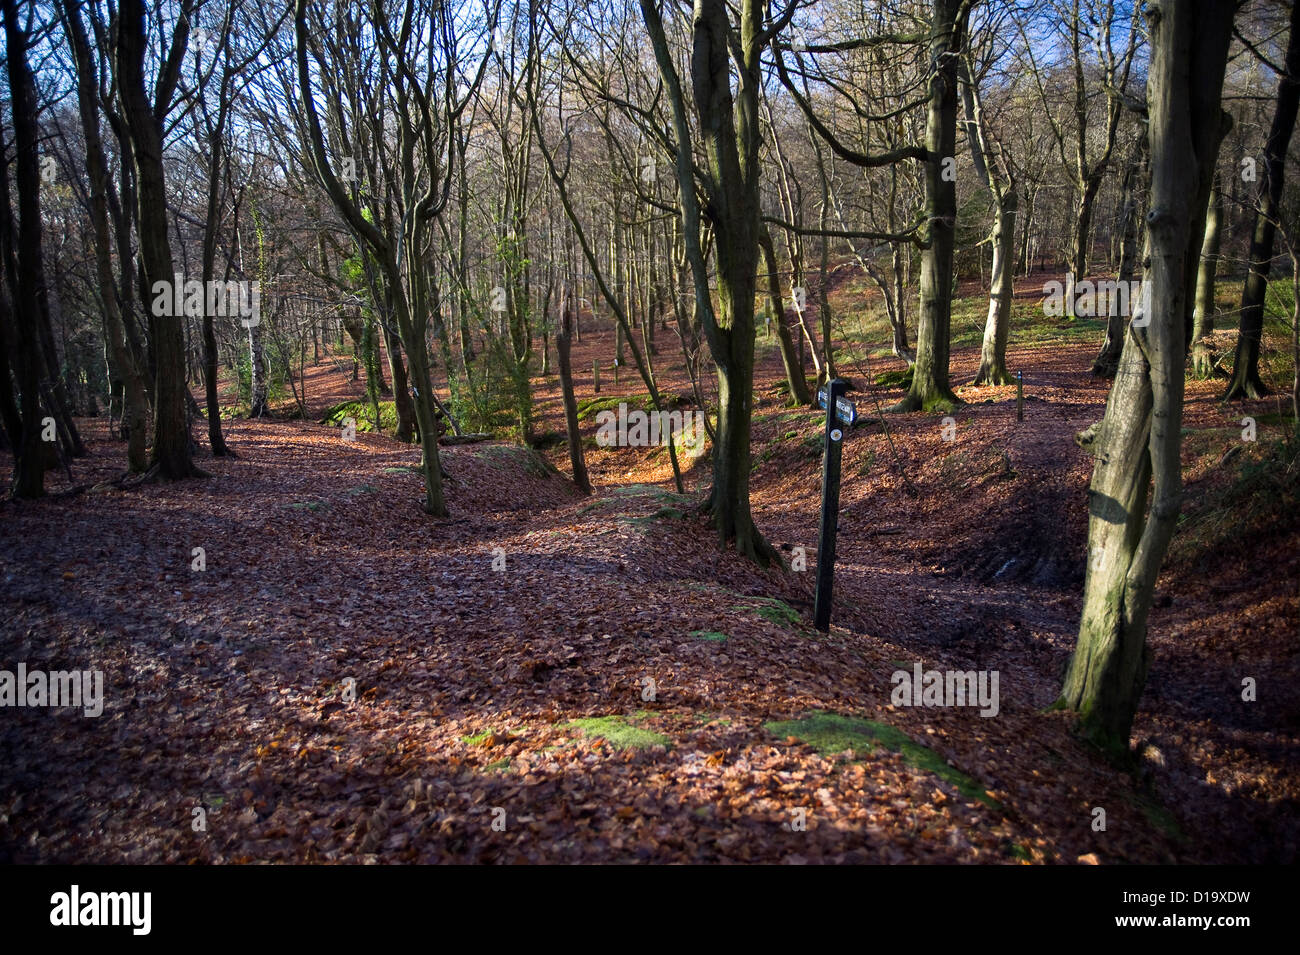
x=898, y=315
x=402, y=403
x=729, y=129
x=135, y=410
x=799, y=393
x=1140, y=435
x=1022, y=257
x=1107, y=360
x=23, y=265
x=258, y=386
x=563, y=343
x=930, y=389
x=170, y=456
x=1001, y=185
x=1246, y=382
x=1080, y=238
x=1203, y=315
x=993, y=352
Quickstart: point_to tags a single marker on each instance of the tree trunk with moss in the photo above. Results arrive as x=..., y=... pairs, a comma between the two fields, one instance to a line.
x=930, y=389
x=1203, y=314
x=1140, y=435
x=731, y=141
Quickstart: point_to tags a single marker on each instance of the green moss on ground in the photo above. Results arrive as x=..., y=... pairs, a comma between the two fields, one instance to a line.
x=588, y=408
x=711, y=635
x=619, y=733
x=834, y=733
x=777, y=612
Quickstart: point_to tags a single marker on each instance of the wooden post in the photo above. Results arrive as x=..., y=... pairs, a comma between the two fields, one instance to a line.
x=595, y=374
x=1020, y=396
x=830, y=507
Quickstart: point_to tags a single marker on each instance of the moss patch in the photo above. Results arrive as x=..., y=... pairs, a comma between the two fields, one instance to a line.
x=901, y=378
x=588, y=408
x=777, y=612
x=711, y=635
x=619, y=733
x=363, y=412
x=834, y=733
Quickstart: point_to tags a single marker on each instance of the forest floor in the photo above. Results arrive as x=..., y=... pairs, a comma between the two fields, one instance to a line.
x=504, y=715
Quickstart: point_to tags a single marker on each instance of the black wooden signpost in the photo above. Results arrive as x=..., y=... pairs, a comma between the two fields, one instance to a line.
x=839, y=411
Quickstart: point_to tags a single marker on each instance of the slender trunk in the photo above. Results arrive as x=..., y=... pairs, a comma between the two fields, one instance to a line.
x=993, y=353
x=563, y=342
x=257, y=373
x=22, y=261
x=1080, y=236
x=898, y=315
x=135, y=410
x=1203, y=358
x=799, y=393
x=1246, y=382
x=1023, y=261
x=1107, y=360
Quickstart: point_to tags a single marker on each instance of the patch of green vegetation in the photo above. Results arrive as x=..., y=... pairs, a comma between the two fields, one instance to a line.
x=363, y=413
x=499, y=766
x=777, y=612
x=403, y=469
x=834, y=733
x=712, y=635
x=1020, y=852
x=899, y=378
x=310, y=505
x=789, y=434
x=476, y=738
x=588, y=408
x=618, y=732
x=362, y=489
x=813, y=443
